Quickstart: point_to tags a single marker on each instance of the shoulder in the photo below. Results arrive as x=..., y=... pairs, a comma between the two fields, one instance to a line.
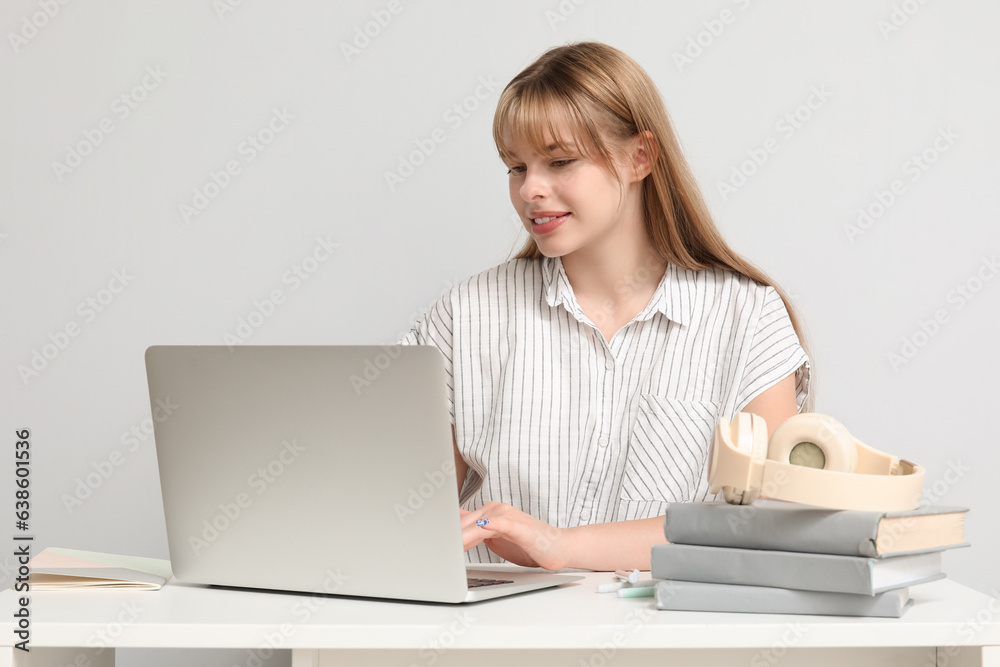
x=715, y=298
x=515, y=274
x=720, y=284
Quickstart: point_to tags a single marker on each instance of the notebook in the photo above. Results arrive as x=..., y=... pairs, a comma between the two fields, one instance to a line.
x=58, y=568
x=321, y=469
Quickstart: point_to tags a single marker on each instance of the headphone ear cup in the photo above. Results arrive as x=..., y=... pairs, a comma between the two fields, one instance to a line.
x=814, y=431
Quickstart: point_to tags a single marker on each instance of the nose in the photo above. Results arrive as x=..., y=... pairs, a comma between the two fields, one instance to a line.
x=534, y=186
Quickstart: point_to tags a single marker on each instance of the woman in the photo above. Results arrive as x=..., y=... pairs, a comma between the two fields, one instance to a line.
x=586, y=373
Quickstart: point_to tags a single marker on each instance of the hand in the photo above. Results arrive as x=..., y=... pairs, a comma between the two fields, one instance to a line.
x=515, y=536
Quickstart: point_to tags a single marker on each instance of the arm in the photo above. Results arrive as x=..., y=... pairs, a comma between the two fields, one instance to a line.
x=522, y=539
x=776, y=403
x=622, y=545
x=461, y=467
x=525, y=540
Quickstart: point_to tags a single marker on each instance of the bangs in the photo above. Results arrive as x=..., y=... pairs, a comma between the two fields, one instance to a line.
x=546, y=122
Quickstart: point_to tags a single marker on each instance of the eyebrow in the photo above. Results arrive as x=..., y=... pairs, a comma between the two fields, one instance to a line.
x=569, y=146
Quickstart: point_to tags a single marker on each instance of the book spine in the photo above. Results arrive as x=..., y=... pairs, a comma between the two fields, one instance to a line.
x=753, y=567
x=697, y=596
x=758, y=526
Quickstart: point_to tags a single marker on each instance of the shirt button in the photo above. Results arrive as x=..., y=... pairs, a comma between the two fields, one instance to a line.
x=610, y=364
x=585, y=514
x=602, y=441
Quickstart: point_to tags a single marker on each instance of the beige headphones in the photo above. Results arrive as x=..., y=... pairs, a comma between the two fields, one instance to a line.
x=810, y=459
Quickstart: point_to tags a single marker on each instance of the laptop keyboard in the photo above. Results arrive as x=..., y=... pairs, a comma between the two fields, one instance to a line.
x=475, y=582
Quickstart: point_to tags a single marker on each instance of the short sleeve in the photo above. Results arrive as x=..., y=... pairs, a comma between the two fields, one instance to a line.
x=435, y=327
x=775, y=353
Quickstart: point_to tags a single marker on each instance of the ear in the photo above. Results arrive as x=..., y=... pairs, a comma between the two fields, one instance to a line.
x=643, y=152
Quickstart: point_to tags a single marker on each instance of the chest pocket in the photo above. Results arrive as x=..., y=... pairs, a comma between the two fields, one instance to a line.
x=668, y=454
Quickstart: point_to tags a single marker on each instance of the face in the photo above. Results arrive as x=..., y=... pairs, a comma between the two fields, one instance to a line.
x=567, y=201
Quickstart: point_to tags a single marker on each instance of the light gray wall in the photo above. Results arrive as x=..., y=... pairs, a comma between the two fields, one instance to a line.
x=889, y=81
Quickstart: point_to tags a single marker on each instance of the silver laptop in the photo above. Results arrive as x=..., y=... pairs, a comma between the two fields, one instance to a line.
x=323, y=469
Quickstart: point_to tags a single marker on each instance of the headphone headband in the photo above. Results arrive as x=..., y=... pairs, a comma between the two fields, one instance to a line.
x=871, y=481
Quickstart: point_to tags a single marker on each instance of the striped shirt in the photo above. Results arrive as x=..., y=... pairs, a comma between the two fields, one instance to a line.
x=572, y=429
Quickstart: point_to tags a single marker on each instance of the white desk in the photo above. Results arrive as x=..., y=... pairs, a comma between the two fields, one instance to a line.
x=571, y=625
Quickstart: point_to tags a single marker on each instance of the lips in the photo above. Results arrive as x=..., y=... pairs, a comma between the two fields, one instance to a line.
x=544, y=222
x=542, y=217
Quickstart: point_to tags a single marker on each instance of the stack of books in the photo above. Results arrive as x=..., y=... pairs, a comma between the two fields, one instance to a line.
x=785, y=558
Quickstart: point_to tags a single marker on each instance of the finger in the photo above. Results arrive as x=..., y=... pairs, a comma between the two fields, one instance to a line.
x=472, y=536
x=502, y=526
x=470, y=518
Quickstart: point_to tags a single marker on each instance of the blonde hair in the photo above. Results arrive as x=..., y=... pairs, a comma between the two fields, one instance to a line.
x=601, y=93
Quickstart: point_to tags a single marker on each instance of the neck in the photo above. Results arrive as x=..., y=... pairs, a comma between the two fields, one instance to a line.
x=620, y=270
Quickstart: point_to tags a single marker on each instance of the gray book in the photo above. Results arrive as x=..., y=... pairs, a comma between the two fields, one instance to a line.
x=788, y=569
x=700, y=596
x=781, y=526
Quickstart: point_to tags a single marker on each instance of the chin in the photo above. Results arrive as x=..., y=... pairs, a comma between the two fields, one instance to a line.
x=550, y=250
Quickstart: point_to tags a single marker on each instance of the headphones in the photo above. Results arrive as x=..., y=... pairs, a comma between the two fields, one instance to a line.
x=810, y=459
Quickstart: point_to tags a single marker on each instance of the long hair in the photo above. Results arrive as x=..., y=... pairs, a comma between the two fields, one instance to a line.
x=605, y=98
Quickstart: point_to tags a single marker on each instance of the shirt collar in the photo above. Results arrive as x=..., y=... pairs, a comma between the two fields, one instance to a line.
x=672, y=296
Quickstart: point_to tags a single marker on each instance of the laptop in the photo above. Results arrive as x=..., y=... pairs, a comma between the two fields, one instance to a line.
x=320, y=469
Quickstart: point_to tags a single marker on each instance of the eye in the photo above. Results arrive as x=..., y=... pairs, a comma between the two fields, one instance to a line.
x=562, y=163
x=517, y=169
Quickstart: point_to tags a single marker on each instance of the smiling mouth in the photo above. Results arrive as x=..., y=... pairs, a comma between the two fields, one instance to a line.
x=542, y=221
